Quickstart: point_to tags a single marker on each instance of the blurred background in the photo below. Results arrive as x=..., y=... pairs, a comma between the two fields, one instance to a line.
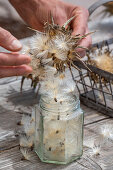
x=99, y=21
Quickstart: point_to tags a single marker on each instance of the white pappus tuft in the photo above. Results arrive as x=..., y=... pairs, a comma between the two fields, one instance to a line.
x=48, y=85
x=42, y=54
x=28, y=122
x=95, y=150
x=26, y=153
x=69, y=87
x=94, y=146
x=46, y=61
x=107, y=131
x=29, y=128
x=59, y=47
x=62, y=55
x=25, y=118
x=26, y=141
x=50, y=72
x=61, y=43
x=39, y=43
x=25, y=49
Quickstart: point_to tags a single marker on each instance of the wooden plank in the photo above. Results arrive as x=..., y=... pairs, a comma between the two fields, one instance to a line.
x=8, y=113
x=4, y=81
x=92, y=135
x=11, y=159
x=12, y=102
x=91, y=116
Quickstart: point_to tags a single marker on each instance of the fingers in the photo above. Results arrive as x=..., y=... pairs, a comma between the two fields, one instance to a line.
x=14, y=71
x=60, y=20
x=85, y=42
x=9, y=59
x=11, y=64
x=60, y=17
x=8, y=41
x=79, y=24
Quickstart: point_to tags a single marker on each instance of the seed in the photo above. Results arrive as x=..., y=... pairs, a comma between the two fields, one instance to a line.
x=49, y=148
x=58, y=117
x=55, y=99
x=57, y=131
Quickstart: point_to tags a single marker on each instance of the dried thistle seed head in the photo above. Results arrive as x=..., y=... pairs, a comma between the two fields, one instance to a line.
x=56, y=48
x=109, y=8
x=38, y=43
x=103, y=60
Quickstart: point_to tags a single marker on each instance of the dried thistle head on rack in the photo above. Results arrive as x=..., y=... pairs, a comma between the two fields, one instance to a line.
x=101, y=58
x=53, y=51
x=109, y=8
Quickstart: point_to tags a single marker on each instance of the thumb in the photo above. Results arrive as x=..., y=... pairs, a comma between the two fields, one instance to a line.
x=8, y=41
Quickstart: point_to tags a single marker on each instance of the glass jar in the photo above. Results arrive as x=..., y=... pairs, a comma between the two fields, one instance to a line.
x=59, y=130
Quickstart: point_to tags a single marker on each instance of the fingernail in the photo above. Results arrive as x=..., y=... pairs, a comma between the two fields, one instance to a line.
x=28, y=69
x=16, y=45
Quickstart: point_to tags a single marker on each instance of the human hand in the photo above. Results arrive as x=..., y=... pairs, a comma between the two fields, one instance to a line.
x=37, y=12
x=11, y=64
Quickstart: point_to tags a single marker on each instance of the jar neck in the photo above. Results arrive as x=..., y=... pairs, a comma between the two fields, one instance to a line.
x=71, y=103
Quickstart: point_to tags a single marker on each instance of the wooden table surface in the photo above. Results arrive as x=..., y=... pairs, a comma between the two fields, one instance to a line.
x=12, y=103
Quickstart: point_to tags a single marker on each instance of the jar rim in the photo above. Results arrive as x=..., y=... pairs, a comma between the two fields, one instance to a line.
x=68, y=105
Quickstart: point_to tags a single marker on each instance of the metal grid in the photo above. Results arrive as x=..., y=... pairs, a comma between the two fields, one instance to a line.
x=97, y=95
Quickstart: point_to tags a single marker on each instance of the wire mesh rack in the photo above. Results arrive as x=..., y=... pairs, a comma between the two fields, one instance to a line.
x=96, y=95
